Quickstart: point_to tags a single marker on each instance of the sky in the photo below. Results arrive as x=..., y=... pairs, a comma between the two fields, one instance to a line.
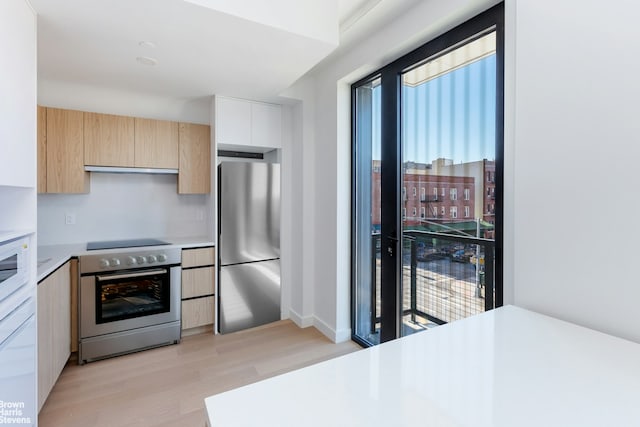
x=452, y=116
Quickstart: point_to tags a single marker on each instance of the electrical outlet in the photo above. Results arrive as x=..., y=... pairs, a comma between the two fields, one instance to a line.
x=70, y=218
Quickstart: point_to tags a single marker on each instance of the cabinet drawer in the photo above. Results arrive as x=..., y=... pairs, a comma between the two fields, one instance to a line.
x=198, y=257
x=197, y=312
x=197, y=282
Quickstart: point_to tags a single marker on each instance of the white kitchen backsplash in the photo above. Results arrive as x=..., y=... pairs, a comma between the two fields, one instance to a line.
x=122, y=206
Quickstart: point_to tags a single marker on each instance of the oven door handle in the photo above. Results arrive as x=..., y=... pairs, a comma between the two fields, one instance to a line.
x=132, y=275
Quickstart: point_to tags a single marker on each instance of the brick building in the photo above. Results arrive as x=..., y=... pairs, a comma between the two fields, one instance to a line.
x=442, y=193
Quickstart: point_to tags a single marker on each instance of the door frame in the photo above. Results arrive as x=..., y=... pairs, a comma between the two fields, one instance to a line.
x=391, y=166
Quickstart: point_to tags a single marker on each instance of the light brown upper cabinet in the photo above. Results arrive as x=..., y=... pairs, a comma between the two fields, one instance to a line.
x=42, y=149
x=108, y=140
x=194, y=176
x=64, y=147
x=156, y=144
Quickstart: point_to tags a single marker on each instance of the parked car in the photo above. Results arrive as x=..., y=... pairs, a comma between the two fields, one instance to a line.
x=461, y=256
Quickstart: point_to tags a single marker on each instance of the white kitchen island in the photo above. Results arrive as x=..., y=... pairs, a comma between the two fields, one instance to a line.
x=509, y=367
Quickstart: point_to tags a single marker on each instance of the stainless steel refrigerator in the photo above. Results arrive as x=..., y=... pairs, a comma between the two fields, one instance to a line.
x=248, y=245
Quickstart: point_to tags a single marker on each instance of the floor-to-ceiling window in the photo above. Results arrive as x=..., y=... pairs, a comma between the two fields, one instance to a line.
x=427, y=184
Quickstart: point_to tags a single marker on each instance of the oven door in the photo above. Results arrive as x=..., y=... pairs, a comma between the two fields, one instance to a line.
x=128, y=300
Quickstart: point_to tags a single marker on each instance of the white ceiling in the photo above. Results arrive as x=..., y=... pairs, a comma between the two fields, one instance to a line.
x=200, y=51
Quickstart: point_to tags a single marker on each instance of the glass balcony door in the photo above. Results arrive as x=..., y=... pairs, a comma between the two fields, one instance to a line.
x=427, y=175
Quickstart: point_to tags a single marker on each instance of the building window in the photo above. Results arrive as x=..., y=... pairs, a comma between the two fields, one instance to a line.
x=404, y=212
x=467, y=194
x=466, y=212
x=422, y=193
x=414, y=192
x=453, y=194
x=404, y=193
x=442, y=192
x=435, y=211
x=453, y=212
x=442, y=211
x=435, y=194
x=422, y=212
x=414, y=212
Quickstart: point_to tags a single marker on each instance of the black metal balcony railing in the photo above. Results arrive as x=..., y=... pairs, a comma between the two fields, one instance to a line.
x=446, y=277
x=428, y=199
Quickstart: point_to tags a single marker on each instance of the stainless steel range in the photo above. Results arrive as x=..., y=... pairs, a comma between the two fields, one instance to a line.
x=129, y=300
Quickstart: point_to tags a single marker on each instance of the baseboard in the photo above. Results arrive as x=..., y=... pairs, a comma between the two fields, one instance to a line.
x=338, y=336
x=206, y=329
x=303, y=322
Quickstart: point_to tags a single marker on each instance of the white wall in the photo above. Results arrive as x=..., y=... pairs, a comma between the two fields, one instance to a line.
x=123, y=206
x=576, y=160
x=77, y=96
x=302, y=203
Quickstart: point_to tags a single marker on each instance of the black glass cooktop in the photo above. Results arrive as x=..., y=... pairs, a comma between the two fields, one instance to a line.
x=133, y=243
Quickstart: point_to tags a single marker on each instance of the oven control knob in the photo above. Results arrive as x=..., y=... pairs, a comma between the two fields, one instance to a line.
x=141, y=259
x=162, y=258
x=131, y=260
x=114, y=262
x=104, y=263
x=151, y=259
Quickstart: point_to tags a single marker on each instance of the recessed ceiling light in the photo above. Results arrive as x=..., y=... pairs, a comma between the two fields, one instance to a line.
x=145, y=60
x=147, y=44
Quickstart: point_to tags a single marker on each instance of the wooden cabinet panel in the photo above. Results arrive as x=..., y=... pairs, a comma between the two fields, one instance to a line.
x=194, y=176
x=73, y=286
x=42, y=149
x=198, y=257
x=65, y=152
x=156, y=144
x=197, y=282
x=108, y=140
x=54, y=337
x=197, y=312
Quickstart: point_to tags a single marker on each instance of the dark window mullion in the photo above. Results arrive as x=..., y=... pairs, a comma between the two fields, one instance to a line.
x=391, y=203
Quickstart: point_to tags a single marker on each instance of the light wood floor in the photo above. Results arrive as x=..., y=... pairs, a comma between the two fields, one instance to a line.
x=167, y=386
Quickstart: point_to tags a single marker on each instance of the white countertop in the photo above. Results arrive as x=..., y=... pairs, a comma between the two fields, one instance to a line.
x=505, y=368
x=51, y=257
x=12, y=234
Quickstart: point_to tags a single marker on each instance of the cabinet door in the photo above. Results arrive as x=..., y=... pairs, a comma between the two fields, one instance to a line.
x=194, y=176
x=108, y=140
x=266, y=125
x=197, y=282
x=233, y=121
x=197, y=312
x=198, y=257
x=42, y=149
x=156, y=144
x=65, y=152
x=54, y=331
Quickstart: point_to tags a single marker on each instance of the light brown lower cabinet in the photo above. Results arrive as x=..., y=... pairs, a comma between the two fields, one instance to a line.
x=198, y=278
x=197, y=312
x=54, y=331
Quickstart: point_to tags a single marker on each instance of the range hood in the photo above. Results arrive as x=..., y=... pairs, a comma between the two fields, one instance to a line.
x=115, y=169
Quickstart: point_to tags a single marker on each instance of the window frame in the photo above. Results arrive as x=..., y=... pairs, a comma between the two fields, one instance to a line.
x=487, y=21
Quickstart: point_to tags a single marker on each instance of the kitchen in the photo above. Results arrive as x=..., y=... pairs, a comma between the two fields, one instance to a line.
x=319, y=168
